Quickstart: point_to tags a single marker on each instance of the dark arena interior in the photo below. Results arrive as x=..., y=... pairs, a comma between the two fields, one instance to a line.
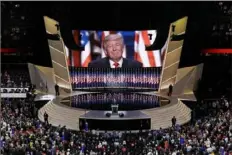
x=116, y=78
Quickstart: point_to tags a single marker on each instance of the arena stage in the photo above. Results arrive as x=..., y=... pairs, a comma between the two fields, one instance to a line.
x=61, y=112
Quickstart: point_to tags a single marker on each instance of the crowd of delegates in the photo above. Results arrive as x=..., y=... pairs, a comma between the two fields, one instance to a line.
x=126, y=101
x=15, y=78
x=23, y=133
x=122, y=77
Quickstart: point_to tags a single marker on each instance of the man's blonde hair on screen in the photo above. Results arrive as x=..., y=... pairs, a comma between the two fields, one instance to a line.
x=113, y=37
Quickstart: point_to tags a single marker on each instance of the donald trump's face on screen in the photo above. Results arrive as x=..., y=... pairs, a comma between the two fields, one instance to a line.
x=113, y=45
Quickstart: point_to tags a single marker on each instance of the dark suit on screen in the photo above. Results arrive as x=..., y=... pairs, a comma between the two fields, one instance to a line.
x=105, y=63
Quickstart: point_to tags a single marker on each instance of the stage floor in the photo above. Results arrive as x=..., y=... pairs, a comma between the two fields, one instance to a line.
x=101, y=115
x=44, y=97
x=132, y=120
x=65, y=115
x=127, y=101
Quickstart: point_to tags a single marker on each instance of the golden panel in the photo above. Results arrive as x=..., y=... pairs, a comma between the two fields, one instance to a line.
x=180, y=25
x=173, y=54
x=168, y=82
x=58, y=57
x=173, y=45
x=173, y=57
x=50, y=25
x=170, y=72
x=182, y=72
x=62, y=83
x=60, y=71
x=56, y=44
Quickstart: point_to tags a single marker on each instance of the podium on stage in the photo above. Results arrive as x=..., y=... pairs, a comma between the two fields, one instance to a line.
x=114, y=108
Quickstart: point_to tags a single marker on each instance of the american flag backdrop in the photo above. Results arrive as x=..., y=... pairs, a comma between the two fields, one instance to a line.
x=135, y=42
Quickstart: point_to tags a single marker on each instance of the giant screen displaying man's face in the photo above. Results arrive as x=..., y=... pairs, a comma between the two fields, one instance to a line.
x=135, y=43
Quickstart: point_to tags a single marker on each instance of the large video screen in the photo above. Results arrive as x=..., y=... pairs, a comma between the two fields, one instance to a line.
x=135, y=43
x=93, y=66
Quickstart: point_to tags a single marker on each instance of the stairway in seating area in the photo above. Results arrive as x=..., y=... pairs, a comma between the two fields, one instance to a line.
x=161, y=117
x=61, y=115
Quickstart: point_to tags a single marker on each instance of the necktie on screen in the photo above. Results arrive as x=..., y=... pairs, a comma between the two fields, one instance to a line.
x=116, y=65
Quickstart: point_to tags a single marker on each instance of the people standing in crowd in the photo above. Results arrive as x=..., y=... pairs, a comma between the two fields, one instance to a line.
x=46, y=117
x=23, y=133
x=86, y=126
x=170, y=89
x=57, y=90
x=46, y=88
x=173, y=121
